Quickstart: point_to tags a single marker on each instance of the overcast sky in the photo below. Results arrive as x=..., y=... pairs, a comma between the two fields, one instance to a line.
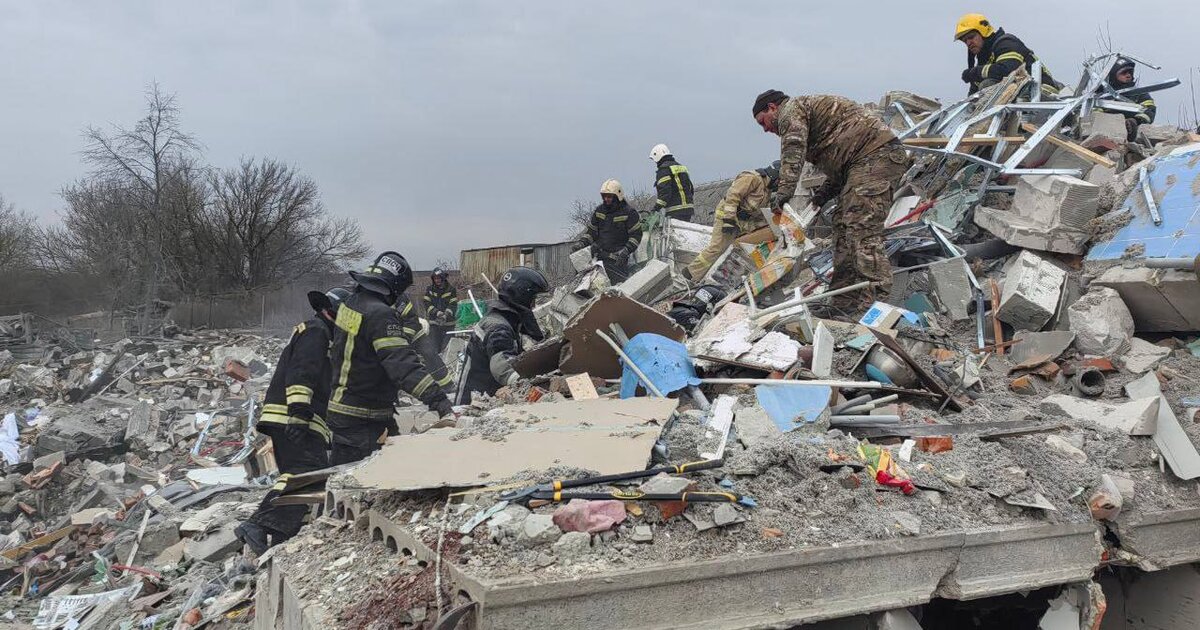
x=449, y=125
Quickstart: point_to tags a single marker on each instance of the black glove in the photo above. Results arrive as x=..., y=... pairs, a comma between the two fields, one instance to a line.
x=971, y=74
x=300, y=410
x=442, y=407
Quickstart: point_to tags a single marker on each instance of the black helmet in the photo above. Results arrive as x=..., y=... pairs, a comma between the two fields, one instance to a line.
x=520, y=286
x=710, y=295
x=771, y=172
x=438, y=272
x=1123, y=63
x=388, y=275
x=329, y=300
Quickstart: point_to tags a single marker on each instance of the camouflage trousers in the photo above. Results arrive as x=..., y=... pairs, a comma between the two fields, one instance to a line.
x=863, y=205
x=727, y=227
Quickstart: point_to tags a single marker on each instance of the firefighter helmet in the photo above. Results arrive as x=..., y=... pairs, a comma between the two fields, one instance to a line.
x=973, y=22
x=520, y=286
x=329, y=300
x=612, y=187
x=771, y=172
x=659, y=152
x=389, y=274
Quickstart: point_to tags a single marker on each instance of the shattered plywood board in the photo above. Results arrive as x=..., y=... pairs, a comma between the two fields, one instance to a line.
x=587, y=352
x=603, y=435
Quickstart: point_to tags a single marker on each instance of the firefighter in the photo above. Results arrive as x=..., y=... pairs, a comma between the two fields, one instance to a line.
x=863, y=163
x=992, y=54
x=739, y=212
x=613, y=232
x=496, y=339
x=441, y=308
x=373, y=357
x=1120, y=78
x=673, y=185
x=293, y=415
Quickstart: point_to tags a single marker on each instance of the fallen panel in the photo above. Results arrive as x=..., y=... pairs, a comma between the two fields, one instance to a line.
x=1160, y=300
x=1175, y=445
x=587, y=352
x=607, y=436
x=1136, y=417
x=1162, y=539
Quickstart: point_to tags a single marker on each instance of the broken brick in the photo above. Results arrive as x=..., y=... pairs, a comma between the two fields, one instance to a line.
x=237, y=370
x=1023, y=385
x=1048, y=370
x=936, y=444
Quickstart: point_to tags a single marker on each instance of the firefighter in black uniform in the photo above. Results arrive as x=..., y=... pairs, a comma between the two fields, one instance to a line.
x=613, y=232
x=373, y=357
x=441, y=308
x=293, y=417
x=1121, y=77
x=496, y=339
x=423, y=342
x=992, y=54
x=673, y=185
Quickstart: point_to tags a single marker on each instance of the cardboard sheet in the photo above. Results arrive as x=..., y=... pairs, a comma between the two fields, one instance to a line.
x=586, y=352
x=604, y=435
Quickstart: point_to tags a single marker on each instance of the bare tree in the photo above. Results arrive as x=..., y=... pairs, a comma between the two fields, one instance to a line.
x=269, y=225
x=17, y=234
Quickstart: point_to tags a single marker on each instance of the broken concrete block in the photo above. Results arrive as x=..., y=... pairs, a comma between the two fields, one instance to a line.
x=582, y=259
x=1035, y=348
x=726, y=514
x=1101, y=322
x=538, y=530
x=906, y=523
x=215, y=546
x=1160, y=300
x=648, y=283
x=952, y=287
x=1048, y=213
x=1143, y=355
x=662, y=483
x=642, y=534
x=1137, y=417
x=1174, y=444
x=1032, y=286
x=1065, y=448
x=1103, y=125
x=90, y=515
x=572, y=545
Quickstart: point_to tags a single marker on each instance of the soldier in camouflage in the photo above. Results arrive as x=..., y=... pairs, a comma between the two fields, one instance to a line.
x=863, y=163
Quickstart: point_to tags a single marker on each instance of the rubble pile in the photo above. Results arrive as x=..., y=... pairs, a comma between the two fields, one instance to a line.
x=126, y=467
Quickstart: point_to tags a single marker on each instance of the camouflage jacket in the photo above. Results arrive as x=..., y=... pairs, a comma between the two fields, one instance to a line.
x=829, y=131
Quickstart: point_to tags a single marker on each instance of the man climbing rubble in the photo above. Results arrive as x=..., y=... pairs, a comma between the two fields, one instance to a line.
x=613, y=231
x=496, y=339
x=993, y=54
x=373, y=357
x=293, y=412
x=739, y=212
x=441, y=307
x=1120, y=78
x=673, y=185
x=862, y=161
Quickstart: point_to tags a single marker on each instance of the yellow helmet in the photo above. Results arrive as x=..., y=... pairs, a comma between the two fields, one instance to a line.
x=973, y=22
x=612, y=187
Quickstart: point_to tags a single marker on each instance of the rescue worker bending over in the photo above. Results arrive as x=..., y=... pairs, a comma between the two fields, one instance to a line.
x=496, y=339
x=863, y=163
x=993, y=54
x=422, y=341
x=293, y=417
x=373, y=358
x=613, y=232
x=739, y=212
x=1121, y=77
x=673, y=185
x=441, y=308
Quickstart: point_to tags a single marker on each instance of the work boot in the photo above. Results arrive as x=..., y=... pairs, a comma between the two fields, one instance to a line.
x=252, y=535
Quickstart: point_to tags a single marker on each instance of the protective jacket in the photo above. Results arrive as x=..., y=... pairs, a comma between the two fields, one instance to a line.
x=1001, y=54
x=437, y=300
x=1150, y=110
x=373, y=356
x=301, y=381
x=495, y=342
x=612, y=228
x=674, y=187
x=831, y=132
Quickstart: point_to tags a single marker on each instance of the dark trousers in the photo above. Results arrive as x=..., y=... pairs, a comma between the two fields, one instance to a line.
x=437, y=333
x=292, y=458
x=354, y=438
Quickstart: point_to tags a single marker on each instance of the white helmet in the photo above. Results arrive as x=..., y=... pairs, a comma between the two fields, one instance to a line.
x=659, y=152
x=612, y=187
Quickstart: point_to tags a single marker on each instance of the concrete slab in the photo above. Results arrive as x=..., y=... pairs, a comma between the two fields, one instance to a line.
x=952, y=287
x=1143, y=355
x=1159, y=300
x=648, y=283
x=1137, y=417
x=1174, y=444
x=1049, y=213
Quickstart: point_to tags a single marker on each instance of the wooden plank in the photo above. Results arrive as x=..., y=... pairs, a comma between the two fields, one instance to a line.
x=1061, y=143
x=48, y=539
x=940, y=141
